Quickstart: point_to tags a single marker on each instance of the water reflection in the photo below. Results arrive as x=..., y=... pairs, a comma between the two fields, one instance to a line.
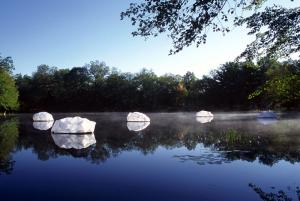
x=175, y=151
x=267, y=121
x=244, y=139
x=204, y=120
x=8, y=139
x=277, y=195
x=137, y=126
x=75, y=141
x=42, y=125
x=206, y=158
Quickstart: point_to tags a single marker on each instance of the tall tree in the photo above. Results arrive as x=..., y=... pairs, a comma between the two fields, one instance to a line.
x=8, y=91
x=7, y=64
x=282, y=87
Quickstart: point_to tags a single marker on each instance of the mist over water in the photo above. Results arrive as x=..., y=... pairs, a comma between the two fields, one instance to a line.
x=175, y=157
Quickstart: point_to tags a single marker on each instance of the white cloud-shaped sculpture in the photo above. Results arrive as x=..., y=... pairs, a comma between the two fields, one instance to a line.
x=42, y=116
x=204, y=120
x=73, y=125
x=137, y=117
x=267, y=114
x=204, y=113
x=42, y=125
x=75, y=141
x=137, y=126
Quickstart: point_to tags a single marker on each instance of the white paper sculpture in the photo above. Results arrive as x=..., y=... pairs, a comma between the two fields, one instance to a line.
x=137, y=117
x=42, y=116
x=203, y=113
x=137, y=126
x=73, y=125
x=42, y=125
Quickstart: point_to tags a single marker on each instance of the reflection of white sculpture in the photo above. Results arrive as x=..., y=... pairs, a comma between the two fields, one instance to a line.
x=76, y=141
x=203, y=113
x=267, y=121
x=204, y=120
x=73, y=125
x=42, y=116
x=137, y=126
x=267, y=114
x=42, y=125
x=137, y=116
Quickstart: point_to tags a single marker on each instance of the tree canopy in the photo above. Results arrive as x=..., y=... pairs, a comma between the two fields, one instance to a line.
x=189, y=21
x=8, y=91
x=6, y=64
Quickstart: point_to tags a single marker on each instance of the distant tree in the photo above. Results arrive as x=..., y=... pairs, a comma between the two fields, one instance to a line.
x=228, y=87
x=188, y=79
x=189, y=21
x=146, y=83
x=8, y=93
x=282, y=87
x=167, y=91
x=24, y=85
x=98, y=70
x=7, y=64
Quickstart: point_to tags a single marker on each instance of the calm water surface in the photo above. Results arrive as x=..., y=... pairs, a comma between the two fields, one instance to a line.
x=176, y=157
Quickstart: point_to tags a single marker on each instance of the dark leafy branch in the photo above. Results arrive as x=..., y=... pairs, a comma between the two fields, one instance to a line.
x=187, y=22
x=277, y=32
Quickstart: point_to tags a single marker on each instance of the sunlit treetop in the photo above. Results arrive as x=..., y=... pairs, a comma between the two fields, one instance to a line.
x=188, y=22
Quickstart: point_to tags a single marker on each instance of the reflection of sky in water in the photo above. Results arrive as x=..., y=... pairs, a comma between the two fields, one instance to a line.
x=176, y=158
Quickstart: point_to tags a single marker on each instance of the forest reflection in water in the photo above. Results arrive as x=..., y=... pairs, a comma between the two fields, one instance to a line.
x=225, y=139
x=228, y=138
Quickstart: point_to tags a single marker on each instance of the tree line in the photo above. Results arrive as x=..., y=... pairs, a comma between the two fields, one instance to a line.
x=266, y=84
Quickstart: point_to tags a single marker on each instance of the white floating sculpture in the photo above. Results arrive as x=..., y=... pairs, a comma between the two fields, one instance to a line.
x=137, y=126
x=267, y=114
x=73, y=125
x=77, y=141
x=203, y=113
x=137, y=117
x=42, y=116
x=42, y=125
x=204, y=120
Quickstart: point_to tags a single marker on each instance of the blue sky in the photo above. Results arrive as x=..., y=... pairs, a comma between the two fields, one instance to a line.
x=68, y=33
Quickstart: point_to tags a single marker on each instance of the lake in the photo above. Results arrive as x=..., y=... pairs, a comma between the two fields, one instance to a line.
x=234, y=156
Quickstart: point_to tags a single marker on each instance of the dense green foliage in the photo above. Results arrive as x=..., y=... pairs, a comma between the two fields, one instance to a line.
x=8, y=91
x=97, y=87
x=189, y=22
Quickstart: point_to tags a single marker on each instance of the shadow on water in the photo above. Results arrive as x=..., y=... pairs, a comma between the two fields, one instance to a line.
x=238, y=139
